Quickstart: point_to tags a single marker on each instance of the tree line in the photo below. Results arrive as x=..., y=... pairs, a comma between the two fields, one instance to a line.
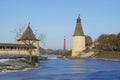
x=108, y=42
x=88, y=42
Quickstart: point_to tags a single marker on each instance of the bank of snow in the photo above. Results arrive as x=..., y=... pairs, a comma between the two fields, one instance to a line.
x=14, y=64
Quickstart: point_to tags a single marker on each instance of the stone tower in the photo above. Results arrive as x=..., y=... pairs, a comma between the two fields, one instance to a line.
x=29, y=38
x=78, y=44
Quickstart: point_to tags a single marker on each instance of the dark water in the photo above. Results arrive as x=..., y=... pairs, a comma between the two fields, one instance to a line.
x=64, y=69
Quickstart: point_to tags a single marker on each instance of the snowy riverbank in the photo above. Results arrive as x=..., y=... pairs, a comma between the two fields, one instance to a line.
x=14, y=64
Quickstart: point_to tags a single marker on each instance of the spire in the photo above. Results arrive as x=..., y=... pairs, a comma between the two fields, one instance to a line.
x=78, y=29
x=78, y=19
x=28, y=34
x=29, y=24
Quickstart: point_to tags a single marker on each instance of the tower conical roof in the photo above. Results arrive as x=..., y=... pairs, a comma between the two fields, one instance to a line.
x=78, y=29
x=28, y=34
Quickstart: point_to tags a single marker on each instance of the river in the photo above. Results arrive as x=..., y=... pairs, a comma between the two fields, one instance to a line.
x=66, y=69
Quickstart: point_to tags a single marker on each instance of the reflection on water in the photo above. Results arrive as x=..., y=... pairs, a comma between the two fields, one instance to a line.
x=65, y=69
x=78, y=66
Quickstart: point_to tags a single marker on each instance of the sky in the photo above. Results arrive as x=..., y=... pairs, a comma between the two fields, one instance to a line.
x=57, y=18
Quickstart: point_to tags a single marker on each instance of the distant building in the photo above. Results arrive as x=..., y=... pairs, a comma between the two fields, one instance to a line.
x=78, y=44
x=26, y=42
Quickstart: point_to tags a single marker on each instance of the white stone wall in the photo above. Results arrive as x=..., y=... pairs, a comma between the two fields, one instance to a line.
x=36, y=51
x=78, y=45
x=14, y=52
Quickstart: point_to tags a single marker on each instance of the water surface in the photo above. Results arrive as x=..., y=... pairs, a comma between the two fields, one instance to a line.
x=66, y=69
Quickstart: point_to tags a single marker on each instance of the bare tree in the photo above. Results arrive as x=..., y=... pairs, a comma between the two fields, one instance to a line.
x=18, y=32
x=40, y=36
x=29, y=43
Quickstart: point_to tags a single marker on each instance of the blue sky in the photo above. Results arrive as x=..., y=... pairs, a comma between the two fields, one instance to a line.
x=57, y=18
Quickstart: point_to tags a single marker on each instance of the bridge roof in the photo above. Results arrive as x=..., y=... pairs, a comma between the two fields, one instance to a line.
x=12, y=45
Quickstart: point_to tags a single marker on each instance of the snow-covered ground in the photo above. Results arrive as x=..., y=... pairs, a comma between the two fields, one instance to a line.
x=51, y=56
x=3, y=60
x=12, y=64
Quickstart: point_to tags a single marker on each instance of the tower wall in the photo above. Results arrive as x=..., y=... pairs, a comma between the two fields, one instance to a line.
x=78, y=45
x=35, y=52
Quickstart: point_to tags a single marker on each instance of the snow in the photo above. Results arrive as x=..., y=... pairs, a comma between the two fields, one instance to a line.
x=4, y=60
